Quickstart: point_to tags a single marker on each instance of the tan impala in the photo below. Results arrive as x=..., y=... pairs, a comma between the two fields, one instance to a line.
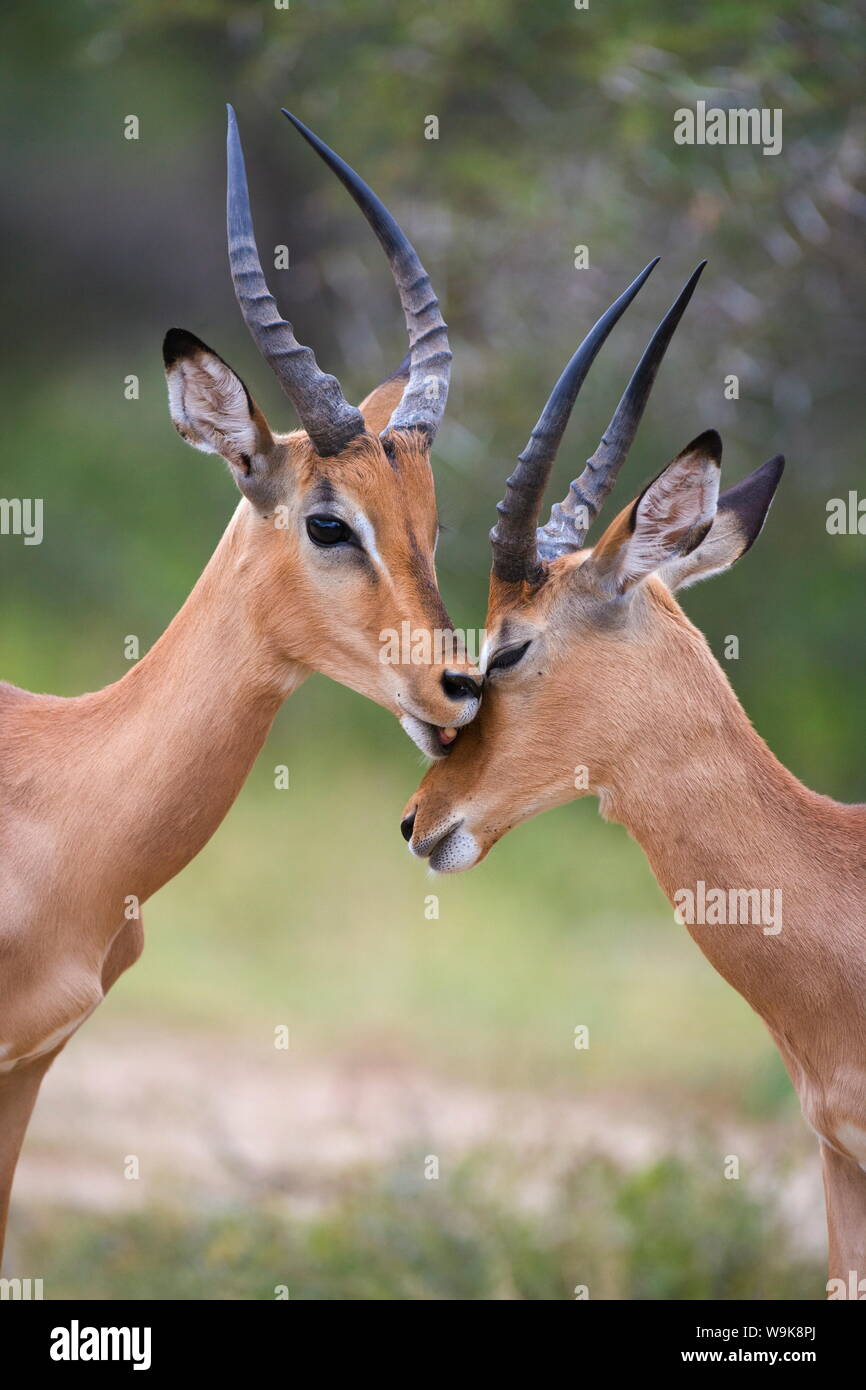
x=597, y=682
x=105, y=797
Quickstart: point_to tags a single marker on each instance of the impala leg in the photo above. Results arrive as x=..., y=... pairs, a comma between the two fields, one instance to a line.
x=18, y=1092
x=845, y=1197
x=20, y=1087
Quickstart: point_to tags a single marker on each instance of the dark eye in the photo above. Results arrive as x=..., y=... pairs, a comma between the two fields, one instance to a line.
x=328, y=530
x=509, y=657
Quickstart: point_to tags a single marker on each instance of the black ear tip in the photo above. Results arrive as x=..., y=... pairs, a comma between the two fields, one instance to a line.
x=178, y=343
x=713, y=443
x=710, y=442
x=766, y=477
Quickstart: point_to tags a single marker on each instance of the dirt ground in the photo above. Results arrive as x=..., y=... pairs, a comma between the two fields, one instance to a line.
x=210, y=1122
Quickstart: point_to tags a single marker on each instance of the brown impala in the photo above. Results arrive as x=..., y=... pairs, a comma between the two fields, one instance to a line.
x=105, y=797
x=596, y=681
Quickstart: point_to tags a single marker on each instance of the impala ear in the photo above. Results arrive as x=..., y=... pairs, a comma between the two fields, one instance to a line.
x=740, y=516
x=668, y=520
x=378, y=407
x=213, y=411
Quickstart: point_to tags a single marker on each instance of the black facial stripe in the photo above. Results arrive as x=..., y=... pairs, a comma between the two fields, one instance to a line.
x=322, y=494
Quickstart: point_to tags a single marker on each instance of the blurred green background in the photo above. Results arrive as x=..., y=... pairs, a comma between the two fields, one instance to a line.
x=555, y=130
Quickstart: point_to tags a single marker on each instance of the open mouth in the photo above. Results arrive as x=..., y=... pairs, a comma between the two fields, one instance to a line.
x=434, y=740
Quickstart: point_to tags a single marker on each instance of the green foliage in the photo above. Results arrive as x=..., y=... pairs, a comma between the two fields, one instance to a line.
x=666, y=1231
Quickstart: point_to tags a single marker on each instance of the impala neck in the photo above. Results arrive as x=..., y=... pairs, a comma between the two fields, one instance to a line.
x=181, y=731
x=713, y=809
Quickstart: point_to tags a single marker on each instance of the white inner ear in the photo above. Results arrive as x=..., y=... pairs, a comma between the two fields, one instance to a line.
x=682, y=498
x=209, y=407
x=724, y=544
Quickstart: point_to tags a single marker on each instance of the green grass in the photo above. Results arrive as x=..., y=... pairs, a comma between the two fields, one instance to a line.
x=672, y=1230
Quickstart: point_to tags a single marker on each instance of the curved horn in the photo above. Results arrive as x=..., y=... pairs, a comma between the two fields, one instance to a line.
x=423, y=402
x=571, y=519
x=513, y=536
x=321, y=406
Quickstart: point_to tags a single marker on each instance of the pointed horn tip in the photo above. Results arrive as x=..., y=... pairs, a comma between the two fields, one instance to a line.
x=696, y=274
x=299, y=125
x=644, y=275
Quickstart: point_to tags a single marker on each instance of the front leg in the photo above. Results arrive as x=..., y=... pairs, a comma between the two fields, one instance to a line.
x=18, y=1091
x=19, y=1086
x=845, y=1197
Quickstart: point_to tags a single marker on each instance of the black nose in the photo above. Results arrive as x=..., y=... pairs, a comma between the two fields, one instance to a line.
x=460, y=687
x=407, y=825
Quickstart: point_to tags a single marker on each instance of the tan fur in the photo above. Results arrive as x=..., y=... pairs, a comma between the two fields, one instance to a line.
x=105, y=797
x=630, y=691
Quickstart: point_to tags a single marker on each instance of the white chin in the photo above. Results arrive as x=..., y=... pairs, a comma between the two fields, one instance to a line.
x=423, y=736
x=457, y=851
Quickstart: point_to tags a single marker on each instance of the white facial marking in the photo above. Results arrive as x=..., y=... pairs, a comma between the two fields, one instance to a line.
x=458, y=850
x=364, y=528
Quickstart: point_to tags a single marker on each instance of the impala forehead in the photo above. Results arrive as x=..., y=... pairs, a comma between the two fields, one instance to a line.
x=383, y=506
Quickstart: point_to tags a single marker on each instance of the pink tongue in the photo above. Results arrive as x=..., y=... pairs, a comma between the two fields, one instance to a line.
x=446, y=736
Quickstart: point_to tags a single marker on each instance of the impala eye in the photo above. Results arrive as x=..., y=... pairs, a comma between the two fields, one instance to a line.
x=510, y=657
x=328, y=530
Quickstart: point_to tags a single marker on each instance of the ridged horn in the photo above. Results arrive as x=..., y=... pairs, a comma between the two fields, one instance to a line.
x=423, y=402
x=326, y=415
x=570, y=520
x=513, y=538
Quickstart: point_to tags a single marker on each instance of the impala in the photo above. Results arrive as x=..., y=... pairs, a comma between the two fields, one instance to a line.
x=597, y=682
x=107, y=796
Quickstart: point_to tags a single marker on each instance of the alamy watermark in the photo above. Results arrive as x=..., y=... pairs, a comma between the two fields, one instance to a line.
x=21, y=1290
x=425, y=647
x=720, y=907
x=735, y=125
x=22, y=516
x=846, y=516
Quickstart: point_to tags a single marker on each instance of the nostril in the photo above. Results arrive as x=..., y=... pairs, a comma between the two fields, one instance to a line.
x=407, y=825
x=458, y=686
